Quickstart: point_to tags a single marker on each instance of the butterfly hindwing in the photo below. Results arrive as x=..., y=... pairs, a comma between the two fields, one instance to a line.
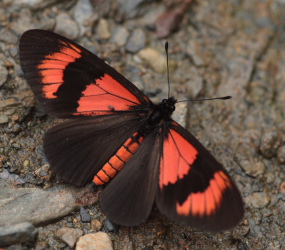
x=77, y=149
x=129, y=197
x=195, y=189
x=68, y=80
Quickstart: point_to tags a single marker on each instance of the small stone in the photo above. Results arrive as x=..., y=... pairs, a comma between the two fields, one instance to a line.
x=180, y=114
x=18, y=233
x=149, y=18
x=96, y=241
x=3, y=74
x=26, y=163
x=156, y=60
x=110, y=226
x=258, y=200
x=85, y=217
x=84, y=15
x=130, y=8
x=49, y=204
x=7, y=36
x=270, y=177
x=253, y=167
x=66, y=26
x=120, y=35
x=69, y=235
x=16, y=128
x=136, y=41
x=96, y=225
x=34, y=4
x=23, y=22
x=281, y=154
x=270, y=142
x=199, y=56
x=8, y=103
x=44, y=172
x=282, y=187
x=103, y=30
x=12, y=178
x=4, y=119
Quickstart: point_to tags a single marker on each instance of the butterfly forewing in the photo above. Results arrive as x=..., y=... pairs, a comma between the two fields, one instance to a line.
x=194, y=188
x=68, y=80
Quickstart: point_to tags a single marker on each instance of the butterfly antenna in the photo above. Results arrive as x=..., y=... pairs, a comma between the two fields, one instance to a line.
x=167, y=65
x=207, y=99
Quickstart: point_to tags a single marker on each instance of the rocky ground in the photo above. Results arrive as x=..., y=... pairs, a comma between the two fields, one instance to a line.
x=216, y=48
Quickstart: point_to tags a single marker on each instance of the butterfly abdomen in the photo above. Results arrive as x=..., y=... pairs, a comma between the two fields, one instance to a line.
x=119, y=159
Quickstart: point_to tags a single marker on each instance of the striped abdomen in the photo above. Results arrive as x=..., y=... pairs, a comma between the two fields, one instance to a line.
x=119, y=159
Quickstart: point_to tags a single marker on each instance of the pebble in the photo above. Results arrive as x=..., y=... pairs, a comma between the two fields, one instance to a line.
x=258, y=200
x=270, y=142
x=19, y=233
x=49, y=204
x=7, y=36
x=85, y=217
x=197, y=53
x=24, y=21
x=8, y=103
x=4, y=119
x=129, y=8
x=96, y=225
x=69, y=235
x=3, y=74
x=281, y=155
x=44, y=172
x=66, y=26
x=282, y=187
x=150, y=17
x=195, y=85
x=34, y=4
x=180, y=114
x=103, y=30
x=110, y=226
x=136, y=41
x=84, y=16
x=10, y=178
x=96, y=241
x=120, y=35
x=253, y=167
x=156, y=60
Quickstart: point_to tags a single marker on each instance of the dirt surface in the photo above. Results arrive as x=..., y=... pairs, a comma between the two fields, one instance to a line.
x=216, y=48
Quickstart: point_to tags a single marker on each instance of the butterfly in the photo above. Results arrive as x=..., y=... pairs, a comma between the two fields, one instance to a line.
x=116, y=135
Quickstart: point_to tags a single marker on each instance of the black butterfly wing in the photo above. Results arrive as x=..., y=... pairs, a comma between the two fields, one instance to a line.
x=77, y=149
x=194, y=188
x=69, y=81
x=128, y=198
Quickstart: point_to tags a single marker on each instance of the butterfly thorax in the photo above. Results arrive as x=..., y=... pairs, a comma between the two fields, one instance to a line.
x=162, y=111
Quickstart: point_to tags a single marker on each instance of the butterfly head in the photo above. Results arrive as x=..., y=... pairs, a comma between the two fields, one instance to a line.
x=167, y=106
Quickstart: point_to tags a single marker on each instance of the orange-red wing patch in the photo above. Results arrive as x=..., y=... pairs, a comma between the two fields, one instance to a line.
x=177, y=158
x=105, y=95
x=52, y=69
x=116, y=163
x=206, y=202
